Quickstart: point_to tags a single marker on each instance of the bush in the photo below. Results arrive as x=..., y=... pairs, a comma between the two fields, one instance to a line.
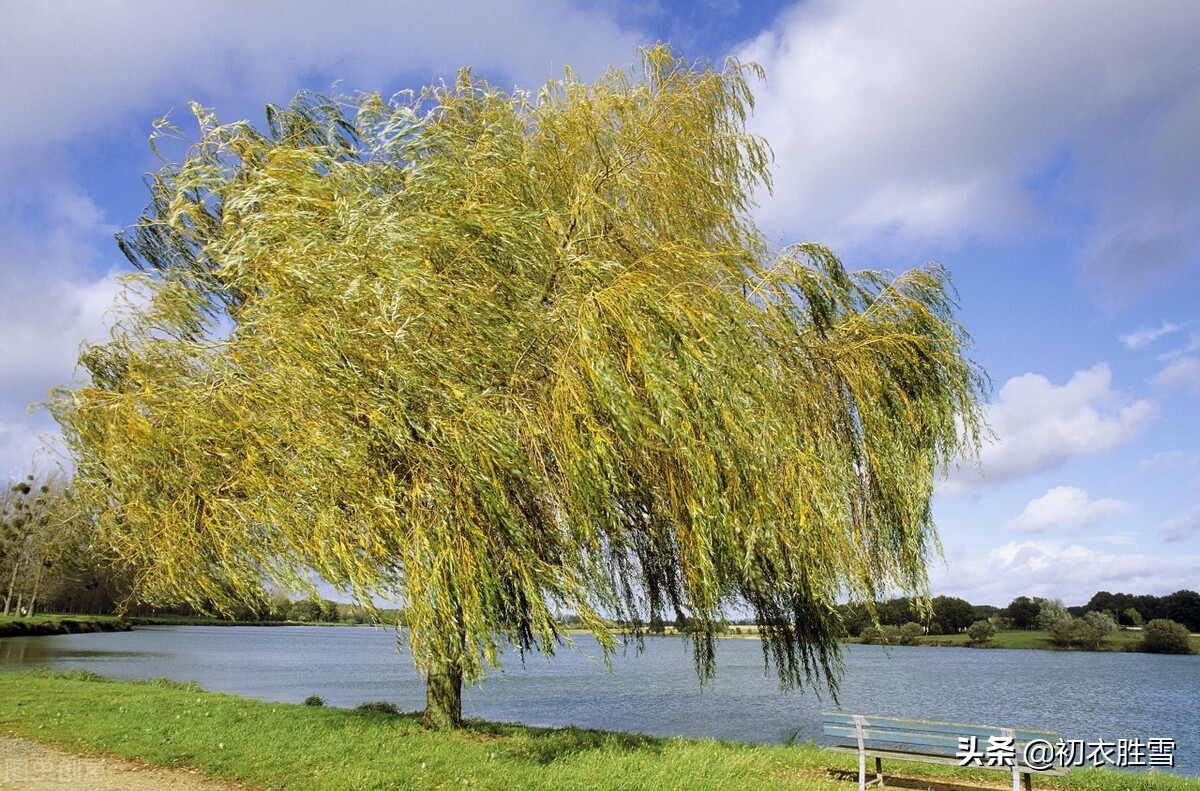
x=1103, y=623
x=1051, y=612
x=910, y=633
x=314, y=700
x=883, y=635
x=1162, y=636
x=379, y=706
x=870, y=635
x=981, y=631
x=1075, y=633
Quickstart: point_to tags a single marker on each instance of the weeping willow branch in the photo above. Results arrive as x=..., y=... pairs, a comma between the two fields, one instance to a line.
x=502, y=356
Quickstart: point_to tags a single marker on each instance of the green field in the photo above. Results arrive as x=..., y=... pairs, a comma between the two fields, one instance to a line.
x=1121, y=640
x=273, y=745
x=59, y=623
x=52, y=623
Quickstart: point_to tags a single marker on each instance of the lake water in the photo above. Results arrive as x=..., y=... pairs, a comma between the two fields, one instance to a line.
x=1088, y=696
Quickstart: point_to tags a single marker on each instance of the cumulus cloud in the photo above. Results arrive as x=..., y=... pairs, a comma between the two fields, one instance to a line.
x=53, y=297
x=1182, y=527
x=87, y=69
x=1039, y=425
x=934, y=122
x=104, y=71
x=1058, y=570
x=1183, y=373
x=1065, y=507
x=44, y=324
x=42, y=332
x=29, y=444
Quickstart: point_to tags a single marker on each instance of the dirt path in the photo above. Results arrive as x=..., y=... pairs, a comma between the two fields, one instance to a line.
x=32, y=766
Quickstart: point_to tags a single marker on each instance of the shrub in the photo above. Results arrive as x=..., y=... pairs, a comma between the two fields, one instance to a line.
x=981, y=631
x=1050, y=613
x=1103, y=623
x=870, y=635
x=910, y=633
x=314, y=700
x=380, y=706
x=1075, y=633
x=170, y=683
x=1162, y=636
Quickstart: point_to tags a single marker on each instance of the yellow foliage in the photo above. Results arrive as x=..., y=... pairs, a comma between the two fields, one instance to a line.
x=502, y=356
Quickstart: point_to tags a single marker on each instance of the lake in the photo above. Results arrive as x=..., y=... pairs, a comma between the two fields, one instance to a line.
x=1082, y=695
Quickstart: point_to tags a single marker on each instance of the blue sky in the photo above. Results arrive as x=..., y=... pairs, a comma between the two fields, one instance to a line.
x=1046, y=153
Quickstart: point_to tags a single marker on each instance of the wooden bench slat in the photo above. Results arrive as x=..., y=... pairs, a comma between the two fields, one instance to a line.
x=933, y=742
x=947, y=738
x=948, y=760
x=948, y=742
x=983, y=731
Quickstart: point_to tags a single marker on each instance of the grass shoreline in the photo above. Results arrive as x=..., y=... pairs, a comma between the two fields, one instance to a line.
x=46, y=624
x=276, y=745
x=55, y=624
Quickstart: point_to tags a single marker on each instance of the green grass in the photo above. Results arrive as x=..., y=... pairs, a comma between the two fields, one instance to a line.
x=52, y=623
x=56, y=623
x=273, y=745
x=1121, y=640
x=56, y=617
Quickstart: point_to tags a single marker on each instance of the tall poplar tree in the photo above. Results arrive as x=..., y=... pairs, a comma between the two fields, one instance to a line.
x=501, y=356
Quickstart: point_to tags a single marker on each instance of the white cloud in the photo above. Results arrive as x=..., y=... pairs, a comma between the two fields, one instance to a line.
x=1170, y=460
x=1182, y=527
x=42, y=332
x=28, y=444
x=1065, y=507
x=1039, y=425
x=53, y=298
x=1191, y=345
x=1057, y=570
x=101, y=72
x=66, y=74
x=1183, y=372
x=1140, y=338
x=934, y=122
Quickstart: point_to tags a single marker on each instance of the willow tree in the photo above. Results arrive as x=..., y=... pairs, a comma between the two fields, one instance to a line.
x=505, y=356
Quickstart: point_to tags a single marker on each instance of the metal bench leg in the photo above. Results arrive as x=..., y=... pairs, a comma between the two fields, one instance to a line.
x=1029, y=781
x=878, y=770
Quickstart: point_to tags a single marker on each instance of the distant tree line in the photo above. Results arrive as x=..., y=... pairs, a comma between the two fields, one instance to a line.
x=48, y=563
x=945, y=615
x=1182, y=606
x=901, y=621
x=952, y=615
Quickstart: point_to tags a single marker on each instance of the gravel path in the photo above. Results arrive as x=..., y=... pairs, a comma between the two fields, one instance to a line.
x=32, y=766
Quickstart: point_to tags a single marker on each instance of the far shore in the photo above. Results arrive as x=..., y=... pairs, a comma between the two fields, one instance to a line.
x=57, y=624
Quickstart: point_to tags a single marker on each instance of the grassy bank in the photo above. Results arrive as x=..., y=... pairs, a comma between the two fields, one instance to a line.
x=57, y=623
x=38, y=625
x=272, y=745
x=1121, y=640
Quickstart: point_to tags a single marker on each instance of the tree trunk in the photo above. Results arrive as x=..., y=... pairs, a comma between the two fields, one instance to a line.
x=443, y=697
x=12, y=584
x=37, y=584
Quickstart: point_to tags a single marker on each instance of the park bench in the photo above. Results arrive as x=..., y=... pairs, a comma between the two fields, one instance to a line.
x=944, y=743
